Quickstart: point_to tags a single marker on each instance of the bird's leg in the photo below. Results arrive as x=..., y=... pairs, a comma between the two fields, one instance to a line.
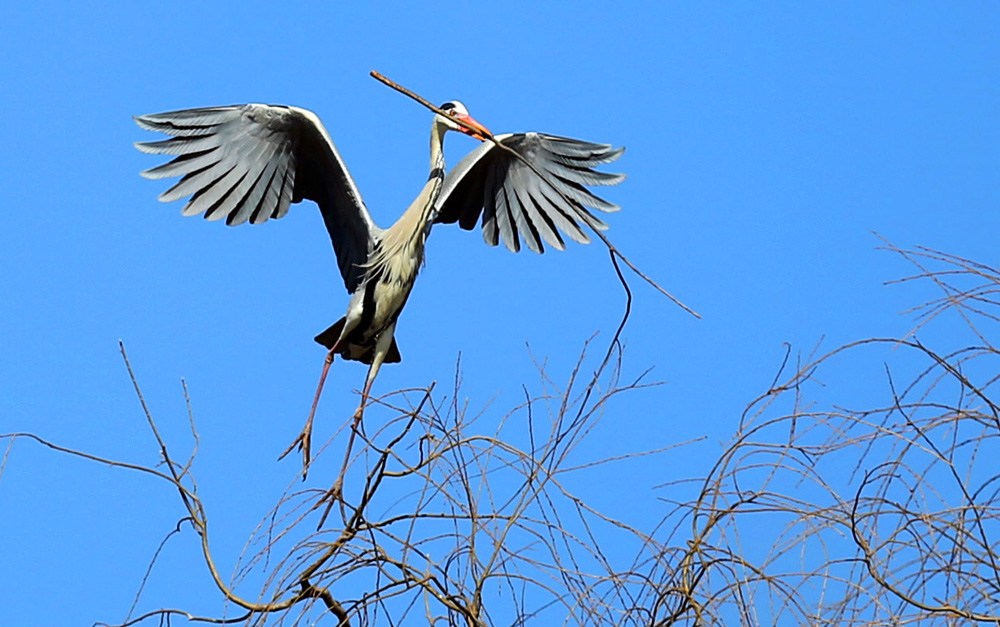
x=336, y=491
x=304, y=439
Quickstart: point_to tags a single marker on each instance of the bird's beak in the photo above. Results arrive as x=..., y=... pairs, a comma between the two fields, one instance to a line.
x=471, y=127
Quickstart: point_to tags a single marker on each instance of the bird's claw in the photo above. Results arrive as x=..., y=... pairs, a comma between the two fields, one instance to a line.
x=304, y=443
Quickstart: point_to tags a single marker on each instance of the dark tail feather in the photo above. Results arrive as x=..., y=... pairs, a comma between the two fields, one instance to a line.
x=392, y=357
x=329, y=337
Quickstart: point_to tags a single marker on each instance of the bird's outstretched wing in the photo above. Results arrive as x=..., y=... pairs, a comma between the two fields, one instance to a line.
x=248, y=163
x=516, y=203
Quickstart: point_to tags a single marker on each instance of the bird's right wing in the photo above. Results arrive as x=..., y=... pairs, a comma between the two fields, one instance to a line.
x=248, y=163
x=516, y=202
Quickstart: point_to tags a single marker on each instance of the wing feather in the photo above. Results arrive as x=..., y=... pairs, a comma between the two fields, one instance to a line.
x=195, y=182
x=506, y=222
x=533, y=227
x=541, y=225
x=179, y=145
x=212, y=198
x=536, y=203
x=564, y=217
x=189, y=121
x=250, y=163
x=486, y=205
x=518, y=213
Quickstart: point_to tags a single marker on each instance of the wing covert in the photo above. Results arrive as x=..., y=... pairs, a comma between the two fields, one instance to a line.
x=249, y=163
x=513, y=203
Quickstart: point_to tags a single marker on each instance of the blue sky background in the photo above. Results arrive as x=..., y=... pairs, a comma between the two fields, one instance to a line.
x=765, y=145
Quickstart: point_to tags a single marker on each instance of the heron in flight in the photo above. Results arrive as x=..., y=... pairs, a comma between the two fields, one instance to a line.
x=249, y=163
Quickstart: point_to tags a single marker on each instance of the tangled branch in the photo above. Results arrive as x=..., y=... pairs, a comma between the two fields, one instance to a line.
x=909, y=534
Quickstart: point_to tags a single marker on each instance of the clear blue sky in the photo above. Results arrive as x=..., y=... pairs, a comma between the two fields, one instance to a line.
x=765, y=144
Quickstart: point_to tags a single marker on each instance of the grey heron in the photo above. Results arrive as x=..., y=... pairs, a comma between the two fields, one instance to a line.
x=249, y=163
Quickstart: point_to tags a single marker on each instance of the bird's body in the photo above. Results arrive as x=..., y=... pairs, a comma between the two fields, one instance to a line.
x=390, y=272
x=367, y=332
x=248, y=163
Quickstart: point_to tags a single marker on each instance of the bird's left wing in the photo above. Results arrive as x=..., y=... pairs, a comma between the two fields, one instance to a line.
x=249, y=163
x=516, y=203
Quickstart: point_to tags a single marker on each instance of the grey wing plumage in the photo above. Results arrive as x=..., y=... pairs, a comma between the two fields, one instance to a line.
x=248, y=163
x=516, y=203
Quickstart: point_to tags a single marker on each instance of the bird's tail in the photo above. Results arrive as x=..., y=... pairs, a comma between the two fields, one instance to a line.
x=329, y=337
x=355, y=352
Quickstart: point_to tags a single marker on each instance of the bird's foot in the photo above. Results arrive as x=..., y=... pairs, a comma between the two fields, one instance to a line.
x=304, y=440
x=304, y=443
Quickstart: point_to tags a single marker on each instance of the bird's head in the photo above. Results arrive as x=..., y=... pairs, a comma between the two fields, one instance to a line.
x=458, y=119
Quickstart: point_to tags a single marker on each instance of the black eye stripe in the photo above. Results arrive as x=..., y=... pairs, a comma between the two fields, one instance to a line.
x=448, y=106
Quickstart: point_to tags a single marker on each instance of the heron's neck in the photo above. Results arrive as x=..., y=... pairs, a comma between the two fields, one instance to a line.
x=421, y=210
x=405, y=239
x=437, y=147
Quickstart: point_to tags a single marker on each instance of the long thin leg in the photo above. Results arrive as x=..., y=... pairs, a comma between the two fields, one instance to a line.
x=304, y=439
x=381, y=349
